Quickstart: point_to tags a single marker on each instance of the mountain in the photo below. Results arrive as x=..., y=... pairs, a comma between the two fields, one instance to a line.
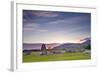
x=74, y=45
x=68, y=45
x=30, y=46
x=86, y=42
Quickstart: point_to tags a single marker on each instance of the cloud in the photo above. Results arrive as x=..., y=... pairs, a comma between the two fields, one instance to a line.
x=42, y=30
x=45, y=14
x=30, y=26
x=68, y=21
x=34, y=27
x=73, y=24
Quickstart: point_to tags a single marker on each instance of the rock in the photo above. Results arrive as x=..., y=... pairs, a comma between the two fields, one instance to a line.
x=43, y=50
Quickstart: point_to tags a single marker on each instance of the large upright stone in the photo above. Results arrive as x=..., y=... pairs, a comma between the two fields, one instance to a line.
x=43, y=49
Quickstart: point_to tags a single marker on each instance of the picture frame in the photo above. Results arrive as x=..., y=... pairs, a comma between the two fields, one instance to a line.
x=17, y=39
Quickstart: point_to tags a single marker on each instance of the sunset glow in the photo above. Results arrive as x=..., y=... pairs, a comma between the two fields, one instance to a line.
x=55, y=27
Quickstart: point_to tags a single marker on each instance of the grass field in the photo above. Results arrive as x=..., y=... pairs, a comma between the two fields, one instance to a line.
x=55, y=57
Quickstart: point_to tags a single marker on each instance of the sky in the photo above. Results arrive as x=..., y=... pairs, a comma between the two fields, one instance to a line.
x=55, y=27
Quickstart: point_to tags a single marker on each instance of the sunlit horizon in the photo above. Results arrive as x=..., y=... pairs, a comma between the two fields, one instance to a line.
x=60, y=42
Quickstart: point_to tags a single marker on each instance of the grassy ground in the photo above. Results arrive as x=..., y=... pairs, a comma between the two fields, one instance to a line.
x=55, y=57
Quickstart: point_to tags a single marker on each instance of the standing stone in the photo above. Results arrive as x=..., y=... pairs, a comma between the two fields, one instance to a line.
x=43, y=49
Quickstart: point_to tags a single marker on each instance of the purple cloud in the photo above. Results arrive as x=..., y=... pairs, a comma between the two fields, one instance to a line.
x=34, y=27
x=45, y=14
